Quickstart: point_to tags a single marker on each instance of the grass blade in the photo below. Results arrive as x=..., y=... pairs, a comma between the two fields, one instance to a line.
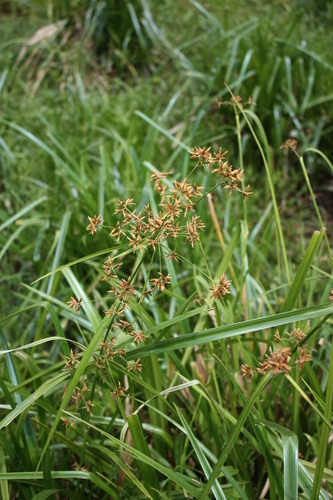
x=228, y=331
x=149, y=476
x=87, y=305
x=290, y=459
x=315, y=204
x=59, y=249
x=85, y=258
x=308, y=400
x=81, y=367
x=323, y=443
x=22, y=212
x=235, y=433
x=28, y=431
x=46, y=388
x=163, y=131
x=268, y=168
x=3, y=482
x=36, y=343
x=43, y=495
x=32, y=476
x=173, y=476
x=216, y=488
x=302, y=271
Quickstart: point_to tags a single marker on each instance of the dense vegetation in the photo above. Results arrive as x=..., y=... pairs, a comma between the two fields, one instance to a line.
x=166, y=328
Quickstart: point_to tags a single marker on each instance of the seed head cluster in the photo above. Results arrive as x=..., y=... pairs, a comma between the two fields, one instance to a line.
x=223, y=288
x=290, y=144
x=94, y=222
x=229, y=178
x=153, y=230
x=278, y=360
x=79, y=394
x=75, y=304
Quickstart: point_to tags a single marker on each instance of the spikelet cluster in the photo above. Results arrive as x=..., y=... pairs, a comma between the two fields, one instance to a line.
x=154, y=230
x=279, y=359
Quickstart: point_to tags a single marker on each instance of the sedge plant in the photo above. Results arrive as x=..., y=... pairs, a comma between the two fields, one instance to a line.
x=183, y=371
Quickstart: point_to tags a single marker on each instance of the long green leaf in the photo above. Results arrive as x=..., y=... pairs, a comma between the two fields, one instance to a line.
x=88, y=257
x=228, y=331
x=3, y=482
x=43, y=495
x=262, y=442
x=80, y=369
x=308, y=400
x=302, y=271
x=149, y=475
x=249, y=114
x=78, y=475
x=69, y=171
x=60, y=331
x=320, y=153
x=324, y=433
x=309, y=53
x=39, y=342
x=203, y=392
x=178, y=315
x=216, y=488
x=27, y=427
x=307, y=180
x=47, y=387
x=50, y=309
x=235, y=433
x=87, y=305
x=24, y=210
x=290, y=459
x=60, y=248
x=163, y=131
x=173, y=476
x=328, y=473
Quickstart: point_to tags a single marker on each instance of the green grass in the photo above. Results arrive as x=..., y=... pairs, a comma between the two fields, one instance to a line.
x=87, y=114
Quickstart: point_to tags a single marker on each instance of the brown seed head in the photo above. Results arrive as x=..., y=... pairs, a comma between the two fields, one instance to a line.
x=223, y=288
x=94, y=222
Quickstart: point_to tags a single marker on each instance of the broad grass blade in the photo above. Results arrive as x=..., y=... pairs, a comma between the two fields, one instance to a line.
x=3, y=482
x=302, y=271
x=228, y=331
x=149, y=475
x=216, y=487
x=290, y=459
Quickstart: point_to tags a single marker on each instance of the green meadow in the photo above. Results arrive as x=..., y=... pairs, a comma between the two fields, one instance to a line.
x=166, y=212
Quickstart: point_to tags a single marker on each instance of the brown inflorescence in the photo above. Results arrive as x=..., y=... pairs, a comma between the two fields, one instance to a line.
x=222, y=289
x=149, y=230
x=94, y=222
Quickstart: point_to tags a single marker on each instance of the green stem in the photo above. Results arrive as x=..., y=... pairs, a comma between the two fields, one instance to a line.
x=311, y=332
x=235, y=433
x=323, y=443
x=241, y=163
x=84, y=442
x=315, y=205
x=271, y=187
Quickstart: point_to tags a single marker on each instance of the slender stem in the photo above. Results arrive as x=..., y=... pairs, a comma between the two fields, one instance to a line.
x=271, y=187
x=316, y=206
x=209, y=191
x=205, y=260
x=235, y=433
x=323, y=443
x=131, y=279
x=311, y=332
x=220, y=237
x=241, y=164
